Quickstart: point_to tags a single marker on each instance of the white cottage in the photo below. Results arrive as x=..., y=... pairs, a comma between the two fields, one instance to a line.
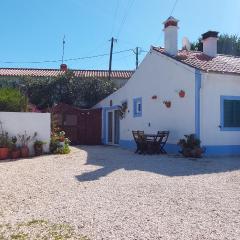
x=180, y=91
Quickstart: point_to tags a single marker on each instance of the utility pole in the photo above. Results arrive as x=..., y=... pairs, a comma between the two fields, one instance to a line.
x=110, y=58
x=136, y=57
x=137, y=51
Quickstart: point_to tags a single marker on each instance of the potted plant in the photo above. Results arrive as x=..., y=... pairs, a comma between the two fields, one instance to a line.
x=190, y=146
x=123, y=109
x=167, y=104
x=4, y=144
x=181, y=93
x=15, y=151
x=38, y=147
x=25, y=140
x=61, y=137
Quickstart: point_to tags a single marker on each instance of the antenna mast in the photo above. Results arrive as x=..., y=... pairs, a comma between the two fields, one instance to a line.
x=63, y=49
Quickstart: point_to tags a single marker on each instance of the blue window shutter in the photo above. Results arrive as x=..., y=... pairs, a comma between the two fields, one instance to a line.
x=231, y=113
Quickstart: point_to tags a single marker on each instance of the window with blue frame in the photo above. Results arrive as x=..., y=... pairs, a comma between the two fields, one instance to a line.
x=137, y=107
x=230, y=113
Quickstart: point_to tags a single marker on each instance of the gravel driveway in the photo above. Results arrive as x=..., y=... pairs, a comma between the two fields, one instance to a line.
x=110, y=193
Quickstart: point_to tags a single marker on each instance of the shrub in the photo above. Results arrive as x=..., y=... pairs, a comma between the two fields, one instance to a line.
x=190, y=146
x=12, y=100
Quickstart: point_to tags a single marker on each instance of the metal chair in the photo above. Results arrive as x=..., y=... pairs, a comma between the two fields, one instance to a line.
x=163, y=137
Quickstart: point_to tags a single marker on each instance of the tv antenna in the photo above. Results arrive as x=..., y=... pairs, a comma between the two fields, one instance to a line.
x=63, y=48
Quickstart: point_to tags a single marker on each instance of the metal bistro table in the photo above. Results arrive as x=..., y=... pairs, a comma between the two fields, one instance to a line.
x=156, y=142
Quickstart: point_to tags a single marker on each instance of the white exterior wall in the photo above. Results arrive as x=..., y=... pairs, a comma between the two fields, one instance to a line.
x=162, y=76
x=18, y=122
x=213, y=86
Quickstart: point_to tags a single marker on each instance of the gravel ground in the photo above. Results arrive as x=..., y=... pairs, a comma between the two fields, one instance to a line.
x=110, y=193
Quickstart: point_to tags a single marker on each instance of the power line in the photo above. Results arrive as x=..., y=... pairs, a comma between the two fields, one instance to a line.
x=114, y=17
x=128, y=8
x=171, y=12
x=66, y=60
x=173, y=7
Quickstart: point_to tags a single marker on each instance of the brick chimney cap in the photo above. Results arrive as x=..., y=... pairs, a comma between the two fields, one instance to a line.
x=171, y=21
x=63, y=67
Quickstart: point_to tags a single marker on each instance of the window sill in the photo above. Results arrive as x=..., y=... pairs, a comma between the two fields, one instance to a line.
x=230, y=129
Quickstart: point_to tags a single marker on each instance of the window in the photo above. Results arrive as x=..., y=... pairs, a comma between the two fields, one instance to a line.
x=137, y=107
x=230, y=113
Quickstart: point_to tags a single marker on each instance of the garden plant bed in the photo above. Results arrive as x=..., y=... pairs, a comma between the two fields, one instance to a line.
x=109, y=193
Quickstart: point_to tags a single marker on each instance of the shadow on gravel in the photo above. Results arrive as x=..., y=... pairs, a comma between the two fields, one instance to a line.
x=114, y=158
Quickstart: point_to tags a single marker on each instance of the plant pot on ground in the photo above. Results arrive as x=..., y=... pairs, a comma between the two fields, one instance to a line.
x=15, y=151
x=24, y=151
x=4, y=144
x=190, y=146
x=25, y=140
x=38, y=147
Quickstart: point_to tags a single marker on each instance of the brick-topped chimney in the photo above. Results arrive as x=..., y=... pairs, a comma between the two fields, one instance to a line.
x=171, y=36
x=63, y=67
x=209, y=40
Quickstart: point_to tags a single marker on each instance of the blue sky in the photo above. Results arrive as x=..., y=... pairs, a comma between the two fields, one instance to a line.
x=32, y=30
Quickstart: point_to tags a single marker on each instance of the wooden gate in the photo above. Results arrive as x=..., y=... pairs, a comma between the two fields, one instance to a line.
x=82, y=126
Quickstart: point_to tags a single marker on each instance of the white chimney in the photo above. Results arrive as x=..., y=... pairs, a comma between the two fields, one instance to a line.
x=171, y=36
x=209, y=40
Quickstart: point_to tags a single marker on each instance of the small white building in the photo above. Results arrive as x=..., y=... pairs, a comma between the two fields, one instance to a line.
x=181, y=91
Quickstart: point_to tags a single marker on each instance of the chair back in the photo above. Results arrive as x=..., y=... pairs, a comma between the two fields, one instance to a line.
x=138, y=135
x=164, y=136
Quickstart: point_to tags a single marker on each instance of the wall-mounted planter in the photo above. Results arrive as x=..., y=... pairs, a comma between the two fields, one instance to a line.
x=154, y=97
x=167, y=104
x=181, y=93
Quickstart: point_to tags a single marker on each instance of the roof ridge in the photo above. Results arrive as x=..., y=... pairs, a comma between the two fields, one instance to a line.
x=55, y=69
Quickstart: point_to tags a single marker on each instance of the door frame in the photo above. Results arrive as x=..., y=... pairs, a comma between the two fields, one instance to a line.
x=105, y=128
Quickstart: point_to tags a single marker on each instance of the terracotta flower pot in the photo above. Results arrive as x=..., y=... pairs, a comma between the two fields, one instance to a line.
x=15, y=154
x=38, y=149
x=25, y=152
x=181, y=94
x=4, y=152
x=167, y=104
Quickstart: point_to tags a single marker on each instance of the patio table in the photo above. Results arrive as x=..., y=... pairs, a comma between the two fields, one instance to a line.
x=156, y=142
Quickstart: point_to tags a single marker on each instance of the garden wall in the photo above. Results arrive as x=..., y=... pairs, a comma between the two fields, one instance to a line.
x=18, y=122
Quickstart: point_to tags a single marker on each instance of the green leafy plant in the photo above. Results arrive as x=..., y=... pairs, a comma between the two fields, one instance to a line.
x=25, y=139
x=63, y=149
x=12, y=100
x=13, y=143
x=4, y=138
x=190, y=146
x=66, y=88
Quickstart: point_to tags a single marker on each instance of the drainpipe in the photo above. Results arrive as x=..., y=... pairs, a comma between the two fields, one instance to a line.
x=198, y=81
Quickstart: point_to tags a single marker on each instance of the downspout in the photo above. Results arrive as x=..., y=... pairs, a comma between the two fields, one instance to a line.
x=198, y=81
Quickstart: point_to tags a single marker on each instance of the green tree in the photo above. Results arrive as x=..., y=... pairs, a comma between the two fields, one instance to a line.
x=227, y=44
x=12, y=100
x=67, y=89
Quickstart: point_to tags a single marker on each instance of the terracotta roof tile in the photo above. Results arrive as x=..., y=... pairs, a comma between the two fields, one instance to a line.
x=121, y=74
x=220, y=63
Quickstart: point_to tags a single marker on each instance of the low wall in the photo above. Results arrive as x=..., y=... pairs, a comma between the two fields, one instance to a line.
x=18, y=122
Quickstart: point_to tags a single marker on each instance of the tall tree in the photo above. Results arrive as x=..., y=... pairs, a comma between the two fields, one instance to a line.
x=227, y=44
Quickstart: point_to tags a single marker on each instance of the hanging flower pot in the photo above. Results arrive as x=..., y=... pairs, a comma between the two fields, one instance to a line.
x=167, y=104
x=181, y=94
x=154, y=97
